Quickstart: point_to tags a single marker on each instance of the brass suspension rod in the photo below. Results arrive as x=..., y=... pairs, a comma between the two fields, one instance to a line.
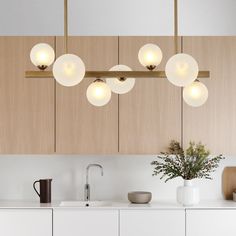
x=113, y=74
x=176, y=26
x=66, y=26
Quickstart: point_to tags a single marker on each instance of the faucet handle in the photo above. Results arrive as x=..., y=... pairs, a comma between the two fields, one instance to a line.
x=86, y=192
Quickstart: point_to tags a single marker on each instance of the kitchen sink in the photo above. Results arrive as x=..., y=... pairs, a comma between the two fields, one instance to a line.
x=85, y=204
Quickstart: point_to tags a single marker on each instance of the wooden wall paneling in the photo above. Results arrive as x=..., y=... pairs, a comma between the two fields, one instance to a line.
x=26, y=105
x=214, y=124
x=150, y=115
x=82, y=128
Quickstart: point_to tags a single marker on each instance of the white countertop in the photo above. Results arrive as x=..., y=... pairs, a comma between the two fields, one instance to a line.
x=158, y=205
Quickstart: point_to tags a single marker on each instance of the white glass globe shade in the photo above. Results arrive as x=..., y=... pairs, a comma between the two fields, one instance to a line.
x=150, y=56
x=181, y=69
x=120, y=85
x=98, y=93
x=42, y=55
x=68, y=70
x=195, y=94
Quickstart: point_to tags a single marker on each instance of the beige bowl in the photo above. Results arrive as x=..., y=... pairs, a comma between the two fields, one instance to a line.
x=140, y=197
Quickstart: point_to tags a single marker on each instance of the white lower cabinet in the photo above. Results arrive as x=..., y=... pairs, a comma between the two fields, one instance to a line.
x=72, y=222
x=25, y=222
x=152, y=223
x=210, y=222
x=106, y=222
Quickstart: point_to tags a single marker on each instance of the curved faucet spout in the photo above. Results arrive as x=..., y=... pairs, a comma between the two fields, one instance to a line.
x=87, y=186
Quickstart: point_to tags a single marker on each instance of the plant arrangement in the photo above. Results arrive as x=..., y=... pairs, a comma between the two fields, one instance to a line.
x=192, y=163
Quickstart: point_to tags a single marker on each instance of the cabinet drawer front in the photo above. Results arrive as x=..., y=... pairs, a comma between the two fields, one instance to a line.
x=210, y=222
x=152, y=223
x=25, y=222
x=72, y=222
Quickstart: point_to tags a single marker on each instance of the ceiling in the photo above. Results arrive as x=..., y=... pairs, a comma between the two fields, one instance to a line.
x=117, y=17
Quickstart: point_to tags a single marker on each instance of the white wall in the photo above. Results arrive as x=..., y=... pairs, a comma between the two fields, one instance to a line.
x=207, y=17
x=121, y=175
x=117, y=17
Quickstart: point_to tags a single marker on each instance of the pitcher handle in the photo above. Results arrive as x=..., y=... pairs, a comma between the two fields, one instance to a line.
x=35, y=187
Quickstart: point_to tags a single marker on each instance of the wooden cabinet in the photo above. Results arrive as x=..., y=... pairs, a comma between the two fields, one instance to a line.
x=214, y=124
x=39, y=116
x=82, y=128
x=26, y=105
x=152, y=222
x=147, y=118
x=26, y=222
x=86, y=222
x=210, y=222
x=149, y=115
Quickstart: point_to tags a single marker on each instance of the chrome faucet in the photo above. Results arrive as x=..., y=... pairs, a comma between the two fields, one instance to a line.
x=87, y=186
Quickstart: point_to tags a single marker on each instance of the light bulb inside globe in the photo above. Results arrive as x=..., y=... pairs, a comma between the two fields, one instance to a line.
x=68, y=70
x=181, y=69
x=195, y=94
x=150, y=56
x=98, y=93
x=42, y=55
x=120, y=85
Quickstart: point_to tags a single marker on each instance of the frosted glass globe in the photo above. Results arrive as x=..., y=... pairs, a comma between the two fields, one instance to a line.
x=68, y=70
x=195, y=94
x=120, y=85
x=98, y=93
x=42, y=55
x=150, y=56
x=181, y=69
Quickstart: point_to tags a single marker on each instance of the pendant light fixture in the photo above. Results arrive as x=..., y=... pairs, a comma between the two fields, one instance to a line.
x=120, y=85
x=42, y=55
x=150, y=56
x=195, y=94
x=98, y=93
x=69, y=70
x=181, y=69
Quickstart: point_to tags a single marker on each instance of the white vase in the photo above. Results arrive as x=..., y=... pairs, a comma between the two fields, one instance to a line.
x=188, y=195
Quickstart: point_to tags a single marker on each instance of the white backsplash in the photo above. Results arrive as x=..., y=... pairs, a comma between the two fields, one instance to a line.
x=121, y=175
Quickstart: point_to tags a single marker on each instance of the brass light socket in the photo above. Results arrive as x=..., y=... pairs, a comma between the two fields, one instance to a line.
x=151, y=67
x=42, y=67
x=99, y=80
x=122, y=79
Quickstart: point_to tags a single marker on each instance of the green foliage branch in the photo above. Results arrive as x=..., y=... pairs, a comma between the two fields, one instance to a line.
x=194, y=162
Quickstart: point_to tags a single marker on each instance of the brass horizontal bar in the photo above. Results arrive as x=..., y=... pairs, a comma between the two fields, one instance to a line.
x=38, y=74
x=113, y=74
x=126, y=74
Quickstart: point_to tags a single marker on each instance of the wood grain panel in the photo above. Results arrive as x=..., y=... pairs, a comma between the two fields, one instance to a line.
x=26, y=105
x=81, y=127
x=150, y=115
x=214, y=124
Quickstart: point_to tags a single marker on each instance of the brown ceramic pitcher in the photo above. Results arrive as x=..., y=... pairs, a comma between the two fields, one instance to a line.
x=44, y=190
